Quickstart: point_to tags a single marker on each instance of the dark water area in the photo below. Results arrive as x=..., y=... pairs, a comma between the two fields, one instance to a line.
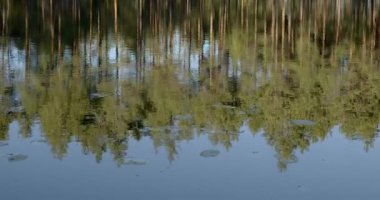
x=169, y=99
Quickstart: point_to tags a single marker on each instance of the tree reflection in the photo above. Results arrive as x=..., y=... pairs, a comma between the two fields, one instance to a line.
x=104, y=72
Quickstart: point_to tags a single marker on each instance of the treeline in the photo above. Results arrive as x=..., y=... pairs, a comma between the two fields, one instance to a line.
x=56, y=24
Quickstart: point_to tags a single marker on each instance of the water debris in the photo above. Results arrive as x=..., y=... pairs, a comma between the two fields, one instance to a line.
x=209, y=153
x=3, y=144
x=135, y=162
x=302, y=122
x=16, y=157
x=255, y=152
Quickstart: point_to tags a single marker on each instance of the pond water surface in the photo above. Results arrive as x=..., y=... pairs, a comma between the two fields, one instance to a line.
x=189, y=99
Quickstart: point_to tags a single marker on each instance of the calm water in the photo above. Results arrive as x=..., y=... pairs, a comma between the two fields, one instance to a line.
x=139, y=99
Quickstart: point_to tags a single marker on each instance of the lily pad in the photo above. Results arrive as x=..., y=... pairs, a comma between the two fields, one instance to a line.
x=135, y=162
x=16, y=157
x=209, y=153
x=302, y=122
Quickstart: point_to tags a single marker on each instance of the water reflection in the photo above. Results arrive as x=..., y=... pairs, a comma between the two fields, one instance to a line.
x=105, y=72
